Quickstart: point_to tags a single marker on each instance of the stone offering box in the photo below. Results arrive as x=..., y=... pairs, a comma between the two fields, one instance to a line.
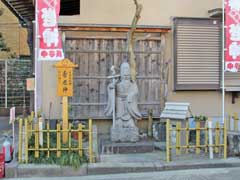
x=175, y=111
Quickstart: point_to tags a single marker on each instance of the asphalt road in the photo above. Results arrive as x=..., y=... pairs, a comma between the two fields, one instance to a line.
x=197, y=174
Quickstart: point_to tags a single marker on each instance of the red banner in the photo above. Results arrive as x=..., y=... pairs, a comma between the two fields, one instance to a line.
x=50, y=45
x=232, y=55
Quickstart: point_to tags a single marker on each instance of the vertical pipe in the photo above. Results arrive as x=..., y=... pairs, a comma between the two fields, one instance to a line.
x=6, y=84
x=168, y=158
x=90, y=141
x=223, y=60
x=225, y=139
x=80, y=142
x=58, y=140
x=20, y=141
x=35, y=58
x=198, y=137
x=26, y=140
x=210, y=139
x=187, y=136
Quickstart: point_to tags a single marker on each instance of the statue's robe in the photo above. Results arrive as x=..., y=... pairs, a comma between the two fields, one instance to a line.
x=126, y=103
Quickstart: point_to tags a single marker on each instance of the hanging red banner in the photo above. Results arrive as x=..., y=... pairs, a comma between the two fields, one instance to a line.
x=50, y=44
x=232, y=55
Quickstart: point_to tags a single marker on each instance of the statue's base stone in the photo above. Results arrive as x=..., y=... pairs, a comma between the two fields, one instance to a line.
x=124, y=134
x=125, y=148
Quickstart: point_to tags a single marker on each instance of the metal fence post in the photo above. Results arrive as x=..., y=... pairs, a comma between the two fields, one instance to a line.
x=198, y=137
x=187, y=137
x=36, y=133
x=80, y=137
x=58, y=140
x=178, y=137
x=168, y=141
x=20, y=141
x=26, y=140
x=225, y=139
x=217, y=135
x=6, y=84
x=90, y=141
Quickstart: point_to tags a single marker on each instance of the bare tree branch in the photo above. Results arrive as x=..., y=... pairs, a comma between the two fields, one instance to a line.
x=132, y=58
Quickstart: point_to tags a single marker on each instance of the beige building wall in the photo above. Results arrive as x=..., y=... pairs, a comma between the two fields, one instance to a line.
x=15, y=36
x=157, y=13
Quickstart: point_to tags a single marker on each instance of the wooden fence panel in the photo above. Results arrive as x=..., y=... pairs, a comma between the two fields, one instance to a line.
x=95, y=56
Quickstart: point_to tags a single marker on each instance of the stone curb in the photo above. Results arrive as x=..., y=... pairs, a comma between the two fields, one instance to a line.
x=94, y=169
x=15, y=170
x=32, y=170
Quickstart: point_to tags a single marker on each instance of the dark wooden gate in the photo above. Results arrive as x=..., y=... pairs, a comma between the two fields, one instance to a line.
x=95, y=56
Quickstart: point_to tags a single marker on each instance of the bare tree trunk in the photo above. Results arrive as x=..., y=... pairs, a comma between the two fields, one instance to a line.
x=130, y=50
x=164, y=73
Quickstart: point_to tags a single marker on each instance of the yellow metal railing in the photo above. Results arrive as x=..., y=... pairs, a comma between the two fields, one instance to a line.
x=184, y=131
x=37, y=148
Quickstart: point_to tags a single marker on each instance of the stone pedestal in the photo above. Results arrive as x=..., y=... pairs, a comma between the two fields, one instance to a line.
x=127, y=147
x=124, y=134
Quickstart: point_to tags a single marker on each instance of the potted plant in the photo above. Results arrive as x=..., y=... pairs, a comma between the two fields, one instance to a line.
x=200, y=118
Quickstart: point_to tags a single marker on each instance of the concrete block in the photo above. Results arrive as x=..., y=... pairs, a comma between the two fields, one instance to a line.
x=11, y=170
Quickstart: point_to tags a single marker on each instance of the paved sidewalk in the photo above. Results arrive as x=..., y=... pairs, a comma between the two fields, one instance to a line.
x=30, y=170
x=196, y=174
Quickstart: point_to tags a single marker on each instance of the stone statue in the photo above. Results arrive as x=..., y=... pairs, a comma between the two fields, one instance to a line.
x=122, y=99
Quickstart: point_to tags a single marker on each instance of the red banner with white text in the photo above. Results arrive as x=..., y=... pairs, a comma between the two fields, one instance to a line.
x=232, y=55
x=50, y=43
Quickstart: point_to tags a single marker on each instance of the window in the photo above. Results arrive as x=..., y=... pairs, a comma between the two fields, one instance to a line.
x=70, y=7
x=197, y=53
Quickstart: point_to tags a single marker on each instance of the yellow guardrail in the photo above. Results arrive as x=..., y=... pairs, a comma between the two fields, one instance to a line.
x=31, y=129
x=179, y=146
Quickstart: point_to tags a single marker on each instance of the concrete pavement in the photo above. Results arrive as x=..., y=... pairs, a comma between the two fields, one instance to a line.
x=5, y=128
x=196, y=174
x=31, y=170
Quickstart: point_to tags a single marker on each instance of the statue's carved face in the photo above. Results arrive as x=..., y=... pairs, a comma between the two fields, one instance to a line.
x=125, y=71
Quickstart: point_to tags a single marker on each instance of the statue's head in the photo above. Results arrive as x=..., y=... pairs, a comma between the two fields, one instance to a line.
x=125, y=71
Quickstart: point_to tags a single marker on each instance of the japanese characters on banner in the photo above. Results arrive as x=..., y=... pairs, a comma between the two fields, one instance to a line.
x=50, y=45
x=232, y=56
